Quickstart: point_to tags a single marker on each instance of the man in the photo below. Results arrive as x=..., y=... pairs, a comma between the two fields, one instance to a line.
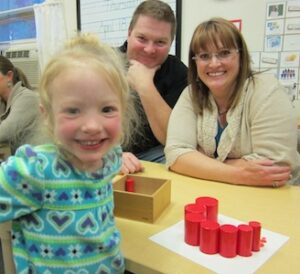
x=155, y=77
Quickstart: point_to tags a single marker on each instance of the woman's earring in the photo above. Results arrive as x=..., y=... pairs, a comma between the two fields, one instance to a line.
x=9, y=84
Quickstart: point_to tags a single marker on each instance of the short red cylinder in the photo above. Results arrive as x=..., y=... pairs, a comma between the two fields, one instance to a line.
x=256, y=226
x=129, y=185
x=209, y=237
x=245, y=235
x=211, y=205
x=228, y=241
x=195, y=208
x=192, y=228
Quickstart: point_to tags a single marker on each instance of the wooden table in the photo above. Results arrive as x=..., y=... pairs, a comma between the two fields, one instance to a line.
x=277, y=209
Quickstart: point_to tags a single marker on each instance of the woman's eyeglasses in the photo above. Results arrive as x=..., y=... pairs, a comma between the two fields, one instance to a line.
x=222, y=55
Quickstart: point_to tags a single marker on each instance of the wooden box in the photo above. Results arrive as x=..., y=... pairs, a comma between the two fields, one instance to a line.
x=150, y=197
x=6, y=258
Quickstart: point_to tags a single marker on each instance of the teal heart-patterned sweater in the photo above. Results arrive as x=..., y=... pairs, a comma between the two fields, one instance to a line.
x=62, y=218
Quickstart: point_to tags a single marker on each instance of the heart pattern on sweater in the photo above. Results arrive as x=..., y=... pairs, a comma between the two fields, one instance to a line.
x=86, y=224
x=60, y=220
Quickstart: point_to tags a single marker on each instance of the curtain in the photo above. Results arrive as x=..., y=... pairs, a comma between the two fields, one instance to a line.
x=51, y=30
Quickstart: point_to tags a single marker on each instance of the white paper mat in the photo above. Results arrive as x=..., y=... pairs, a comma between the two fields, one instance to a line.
x=173, y=239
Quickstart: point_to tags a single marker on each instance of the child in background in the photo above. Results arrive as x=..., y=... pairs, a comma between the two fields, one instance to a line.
x=60, y=195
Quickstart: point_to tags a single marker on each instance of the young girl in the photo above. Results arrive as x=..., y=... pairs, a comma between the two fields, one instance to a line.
x=60, y=195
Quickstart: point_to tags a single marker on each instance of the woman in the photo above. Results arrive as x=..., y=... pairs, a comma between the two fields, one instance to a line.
x=19, y=111
x=235, y=126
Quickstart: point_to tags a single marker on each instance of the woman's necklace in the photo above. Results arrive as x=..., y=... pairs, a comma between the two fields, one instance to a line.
x=222, y=112
x=222, y=118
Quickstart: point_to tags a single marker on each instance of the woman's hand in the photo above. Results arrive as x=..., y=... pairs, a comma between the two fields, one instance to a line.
x=131, y=164
x=262, y=172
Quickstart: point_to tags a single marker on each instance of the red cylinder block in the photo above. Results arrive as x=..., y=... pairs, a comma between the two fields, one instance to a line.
x=256, y=226
x=209, y=237
x=194, y=208
x=211, y=205
x=192, y=223
x=129, y=185
x=245, y=235
x=228, y=241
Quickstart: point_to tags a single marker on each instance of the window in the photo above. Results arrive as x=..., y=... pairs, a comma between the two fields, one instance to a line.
x=17, y=20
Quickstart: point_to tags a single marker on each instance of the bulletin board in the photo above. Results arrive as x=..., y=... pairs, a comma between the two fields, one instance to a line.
x=281, y=54
x=110, y=20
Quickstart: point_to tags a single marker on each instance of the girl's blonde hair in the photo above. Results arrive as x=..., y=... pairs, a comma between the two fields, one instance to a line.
x=87, y=49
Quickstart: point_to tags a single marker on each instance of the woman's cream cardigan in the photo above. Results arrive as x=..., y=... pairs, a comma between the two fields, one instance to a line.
x=263, y=125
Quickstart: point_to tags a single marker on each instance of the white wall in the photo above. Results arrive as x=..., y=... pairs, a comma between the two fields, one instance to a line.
x=71, y=16
x=251, y=12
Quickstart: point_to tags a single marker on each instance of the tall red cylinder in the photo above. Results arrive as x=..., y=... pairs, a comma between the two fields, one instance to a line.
x=211, y=205
x=192, y=223
x=228, y=241
x=256, y=226
x=195, y=208
x=209, y=237
x=129, y=185
x=245, y=234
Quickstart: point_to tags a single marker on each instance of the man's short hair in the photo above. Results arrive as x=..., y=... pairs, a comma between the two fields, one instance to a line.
x=156, y=9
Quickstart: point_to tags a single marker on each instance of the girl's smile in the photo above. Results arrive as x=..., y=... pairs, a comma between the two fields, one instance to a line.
x=86, y=114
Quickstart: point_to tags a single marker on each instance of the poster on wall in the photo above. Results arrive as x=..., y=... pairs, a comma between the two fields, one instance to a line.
x=273, y=43
x=269, y=60
x=276, y=10
x=292, y=26
x=290, y=59
x=281, y=54
x=291, y=42
x=289, y=78
x=237, y=23
x=293, y=9
x=274, y=27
